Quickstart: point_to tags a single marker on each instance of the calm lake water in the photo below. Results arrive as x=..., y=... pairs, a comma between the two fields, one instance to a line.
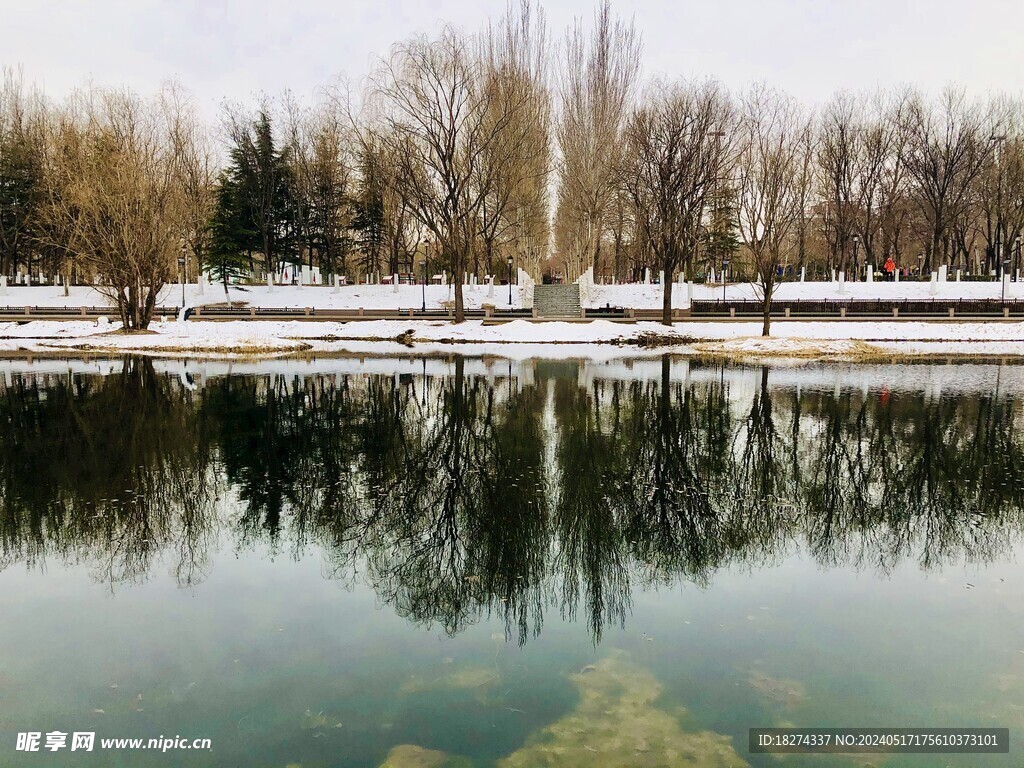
x=484, y=562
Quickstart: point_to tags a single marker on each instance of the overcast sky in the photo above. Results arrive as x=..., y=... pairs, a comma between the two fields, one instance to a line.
x=234, y=50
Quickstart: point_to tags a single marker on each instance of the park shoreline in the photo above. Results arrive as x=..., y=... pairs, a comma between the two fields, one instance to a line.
x=850, y=341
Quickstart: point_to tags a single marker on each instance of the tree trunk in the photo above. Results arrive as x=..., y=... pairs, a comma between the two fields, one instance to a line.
x=460, y=310
x=769, y=289
x=666, y=306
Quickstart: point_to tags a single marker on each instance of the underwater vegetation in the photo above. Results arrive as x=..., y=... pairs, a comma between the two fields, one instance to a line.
x=617, y=724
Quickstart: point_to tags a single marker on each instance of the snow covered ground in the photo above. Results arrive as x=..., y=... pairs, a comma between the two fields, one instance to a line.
x=635, y=296
x=737, y=339
x=639, y=296
x=288, y=296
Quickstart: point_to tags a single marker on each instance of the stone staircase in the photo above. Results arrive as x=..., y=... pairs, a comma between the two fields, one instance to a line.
x=562, y=301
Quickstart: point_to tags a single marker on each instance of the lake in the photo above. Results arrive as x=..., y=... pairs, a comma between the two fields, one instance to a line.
x=476, y=561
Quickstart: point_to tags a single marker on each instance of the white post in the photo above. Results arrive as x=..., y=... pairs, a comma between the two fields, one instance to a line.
x=958, y=275
x=661, y=277
x=337, y=283
x=490, y=287
x=270, y=282
x=689, y=292
x=871, y=274
x=833, y=274
x=3, y=285
x=943, y=272
x=934, y=284
x=394, y=283
x=842, y=282
x=711, y=275
x=201, y=283
x=647, y=276
x=803, y=273
x=896, y=275
x=1006, y=283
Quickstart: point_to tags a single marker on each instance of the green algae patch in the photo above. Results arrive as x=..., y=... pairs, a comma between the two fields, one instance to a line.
x=412, y=756
x=466, y=678
x=788, y=693
x=616, y=725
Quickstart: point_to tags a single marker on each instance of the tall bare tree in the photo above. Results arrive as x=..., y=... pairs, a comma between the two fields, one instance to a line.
x=768, y=170
x=946, y=151
x=448, y=135
x=598, y=79
x=674, y=152
x=515, y=214
x=114, y=199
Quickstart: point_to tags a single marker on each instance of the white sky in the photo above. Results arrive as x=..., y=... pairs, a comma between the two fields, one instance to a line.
x=235, y=49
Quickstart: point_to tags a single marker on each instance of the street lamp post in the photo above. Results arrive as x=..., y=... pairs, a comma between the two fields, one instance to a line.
x=423, y=264
x=856, y=247
x=1005, y=264
x=181, y=274
x=1016, y=256
x=510, y=281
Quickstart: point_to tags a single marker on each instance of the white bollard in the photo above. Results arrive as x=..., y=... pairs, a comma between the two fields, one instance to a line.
x=711, y=275
x=3, y=285
x=943, y=272
x=833, y=275
x=490, y=287
x=1006, y=284
x=337, y=283
x=661, y=277
x=958, y=272
x=647, y=276
x=803, y=273
x=394, y=283
x=201, y=283
x=933, y=285
x=871, y=274
x=689, y=292
x=270, y=282
x=842, y=282
x=896, y=275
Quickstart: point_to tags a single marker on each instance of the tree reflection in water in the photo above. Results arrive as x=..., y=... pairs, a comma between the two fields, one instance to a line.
x=460, y=496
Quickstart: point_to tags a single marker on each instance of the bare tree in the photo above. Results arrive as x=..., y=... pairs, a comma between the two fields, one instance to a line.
x=515, y=214
x=448, y=135
x=769, y=167
x=837, y=151
x=113, y=186
x=946, y=151
x=674, y=151
x=198, y=171
x=598, y=80
x=998, y=194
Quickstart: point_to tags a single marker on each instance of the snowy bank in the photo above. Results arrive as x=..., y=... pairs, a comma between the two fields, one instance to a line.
x=740, y=339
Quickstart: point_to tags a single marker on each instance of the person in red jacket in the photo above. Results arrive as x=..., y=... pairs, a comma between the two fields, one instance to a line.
x=890, y=268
